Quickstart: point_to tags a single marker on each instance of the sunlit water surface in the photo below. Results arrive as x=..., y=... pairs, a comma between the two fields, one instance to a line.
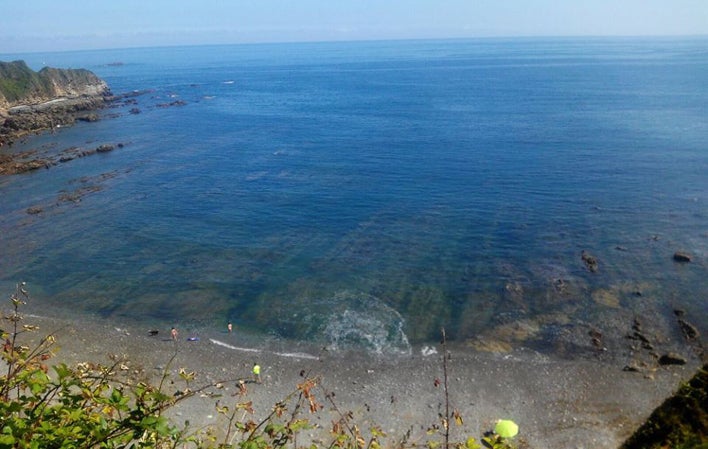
x=366, y=195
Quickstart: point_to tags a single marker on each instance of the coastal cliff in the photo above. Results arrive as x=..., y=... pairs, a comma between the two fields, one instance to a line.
x=32, y=101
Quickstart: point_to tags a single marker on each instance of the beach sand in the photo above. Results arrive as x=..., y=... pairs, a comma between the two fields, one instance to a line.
x=557, y=403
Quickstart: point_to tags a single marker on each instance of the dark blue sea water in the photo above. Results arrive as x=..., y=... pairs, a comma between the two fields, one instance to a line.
x=368, y=194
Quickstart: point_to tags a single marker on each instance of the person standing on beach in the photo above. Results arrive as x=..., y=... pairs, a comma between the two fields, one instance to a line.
x=174, y=334
x=257, y=373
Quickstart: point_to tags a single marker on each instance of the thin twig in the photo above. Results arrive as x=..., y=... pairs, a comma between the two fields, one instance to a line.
x=447, y=396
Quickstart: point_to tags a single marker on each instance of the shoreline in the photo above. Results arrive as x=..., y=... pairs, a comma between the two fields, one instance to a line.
x=557, y=403
x=578, y=369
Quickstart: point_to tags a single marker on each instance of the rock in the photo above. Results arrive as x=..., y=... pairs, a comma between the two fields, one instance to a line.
x=680, y=256
x=173, y=103
x=638, y=336
x=105, y=148
x=34, y=210
x=597, y=342
x=596, y=339
x=590, y=261
x=689, y=330
x=631, y=367
x=560, y=285
x=14, y=167
x=93, y=117
x=672, y=358
x=636, y=325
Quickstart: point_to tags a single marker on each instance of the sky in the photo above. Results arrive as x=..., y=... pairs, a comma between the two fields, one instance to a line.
x=59, y=25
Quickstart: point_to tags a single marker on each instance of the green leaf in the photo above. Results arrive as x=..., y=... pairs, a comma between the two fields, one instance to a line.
x=6, y=440
x=471, y=443
x=116, y=396
x=62, y=371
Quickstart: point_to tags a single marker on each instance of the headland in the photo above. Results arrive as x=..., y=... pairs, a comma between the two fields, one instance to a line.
x=33, y=101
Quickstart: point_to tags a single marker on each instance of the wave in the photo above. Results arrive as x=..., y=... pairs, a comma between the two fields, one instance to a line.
x=292, y=355
x=362, y=321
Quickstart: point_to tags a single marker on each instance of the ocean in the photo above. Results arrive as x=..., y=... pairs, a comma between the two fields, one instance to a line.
x=366, y=195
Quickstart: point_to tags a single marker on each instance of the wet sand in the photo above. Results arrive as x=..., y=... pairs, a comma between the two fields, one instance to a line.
x=557, y=403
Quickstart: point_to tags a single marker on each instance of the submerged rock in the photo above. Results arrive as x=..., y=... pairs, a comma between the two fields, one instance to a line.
x=13, y=167
x=607, y=298
x=92, y=117
x=680, y=256
x=105, y=148
x=490, y=345
x=24, y=162
x=172, y=103
x=590, y=261
x=688, y=330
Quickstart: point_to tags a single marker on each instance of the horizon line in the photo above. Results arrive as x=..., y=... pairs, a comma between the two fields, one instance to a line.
x=409, y=39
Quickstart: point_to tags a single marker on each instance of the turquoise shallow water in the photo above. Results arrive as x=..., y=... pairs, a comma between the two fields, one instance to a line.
x=368, y=194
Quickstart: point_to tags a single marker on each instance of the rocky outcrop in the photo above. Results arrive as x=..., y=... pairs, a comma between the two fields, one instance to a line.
x=32, y=101
x=20, y=85
x=30, y=160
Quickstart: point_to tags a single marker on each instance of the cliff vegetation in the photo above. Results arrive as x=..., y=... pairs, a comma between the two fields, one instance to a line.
x=21, y=85
x=33, y=101
x=681, y=422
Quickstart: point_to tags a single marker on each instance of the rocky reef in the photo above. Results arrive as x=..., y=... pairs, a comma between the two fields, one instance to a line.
x=33, y=101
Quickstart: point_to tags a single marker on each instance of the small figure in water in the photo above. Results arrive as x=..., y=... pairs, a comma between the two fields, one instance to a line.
x=257, y=373
x=230, y=327
x=174, y=334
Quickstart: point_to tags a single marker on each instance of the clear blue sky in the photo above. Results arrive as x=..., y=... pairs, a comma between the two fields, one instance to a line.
x=46, y=25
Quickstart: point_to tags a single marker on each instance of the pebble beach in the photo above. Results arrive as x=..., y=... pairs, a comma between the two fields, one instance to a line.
x=557, y=403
